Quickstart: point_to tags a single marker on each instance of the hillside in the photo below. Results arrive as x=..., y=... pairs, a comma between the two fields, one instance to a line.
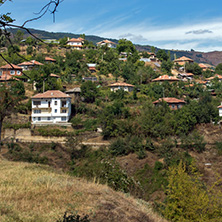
x=31, y=192
x=213, y=58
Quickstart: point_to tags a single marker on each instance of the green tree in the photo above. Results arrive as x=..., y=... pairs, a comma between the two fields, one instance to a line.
x=125, y=46
x=89, y=91
x=10, y=95
x=18, y=36
x=218, y=68
x=193, y=68
x=162, y=55
x=188, y=199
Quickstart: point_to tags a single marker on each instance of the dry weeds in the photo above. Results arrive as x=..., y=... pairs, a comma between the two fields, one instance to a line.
x=32, y=192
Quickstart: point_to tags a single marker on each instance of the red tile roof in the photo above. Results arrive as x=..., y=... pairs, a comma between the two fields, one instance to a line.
x=30, y=63
x=215, y=76
x=54, y=75
x=51, y=94
x=183, y=59
x=50, y=59
x=219, y=106
x=121, y=84
x=203, y=66
x=169, y=100
x=165, y=78
x=7, y=66
x=74, y=40
x=105, y=41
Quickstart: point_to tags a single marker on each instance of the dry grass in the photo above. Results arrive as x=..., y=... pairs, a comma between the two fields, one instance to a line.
x=32, y=192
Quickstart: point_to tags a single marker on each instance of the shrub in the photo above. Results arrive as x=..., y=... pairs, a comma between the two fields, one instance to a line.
x=218, y=146
x=73, y=217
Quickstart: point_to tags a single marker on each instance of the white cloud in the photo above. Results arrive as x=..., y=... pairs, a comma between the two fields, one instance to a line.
x=175, y=35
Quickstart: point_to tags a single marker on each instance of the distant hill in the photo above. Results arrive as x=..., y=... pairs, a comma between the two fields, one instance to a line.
x=213, y=58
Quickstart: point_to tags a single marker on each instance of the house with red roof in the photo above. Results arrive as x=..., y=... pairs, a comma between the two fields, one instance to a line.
x=219, y=77
x=183, y=60
x=76, y=43
x=165, y=78
x=173, y=103
x=106, y=42
x=29, y=65
x=185, y=76
x=9, y=71
x=121, y=85
x=51, y=107
x=49, y=60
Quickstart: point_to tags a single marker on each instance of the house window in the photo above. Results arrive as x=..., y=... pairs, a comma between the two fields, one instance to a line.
x=63, y=103
x=18, y=72
x=49, y=118
x=12, y=72
x=173, y=106
x=37, y=111
x=64, y=111
x=55, y=103
x=39, y=118
x=0, y=73
x=34, y=118
x=55, y=110
x=63, y=118
x=36, y=103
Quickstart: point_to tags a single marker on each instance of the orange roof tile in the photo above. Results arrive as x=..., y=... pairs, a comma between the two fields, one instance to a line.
x=169, y=100
x=54, y=75
x=74, y=40
x=203, y=66
x=51, y=94
x=49, y=59
x=30, y=63
x=183, y=59
x=105, y=41
x=215, y=76
x=9, y=66
x=121, y=84
x=165, y=78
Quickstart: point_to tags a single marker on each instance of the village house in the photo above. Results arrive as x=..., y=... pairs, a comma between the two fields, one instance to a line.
x=165, y=78
x=173, y=103
x=8, y=71
x=183, y=60
x=220, y=109
x=92, y=67
x=106, y=42
x=52, y=106
x=216, y=76
x=76, y=43
x=124, y=86
x=185, y=76
x=49, y=60
x=30, y=65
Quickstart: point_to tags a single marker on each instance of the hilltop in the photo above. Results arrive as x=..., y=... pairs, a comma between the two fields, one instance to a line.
x=33, y=192
x=213, y=58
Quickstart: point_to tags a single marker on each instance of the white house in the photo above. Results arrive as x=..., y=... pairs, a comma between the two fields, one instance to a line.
x=76, y=43
x=109, y=44
x=220, y=109
x=121, y=85
x=52, y=106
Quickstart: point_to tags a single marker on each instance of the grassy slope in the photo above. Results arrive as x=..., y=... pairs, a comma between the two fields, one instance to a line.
x=31, y=192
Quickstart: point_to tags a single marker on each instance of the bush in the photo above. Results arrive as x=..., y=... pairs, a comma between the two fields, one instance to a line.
x=16, y=126
x=194, y=141
x=73, y=217
x=218, y=146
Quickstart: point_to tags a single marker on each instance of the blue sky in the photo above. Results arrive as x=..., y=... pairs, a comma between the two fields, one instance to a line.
x=168, y=24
